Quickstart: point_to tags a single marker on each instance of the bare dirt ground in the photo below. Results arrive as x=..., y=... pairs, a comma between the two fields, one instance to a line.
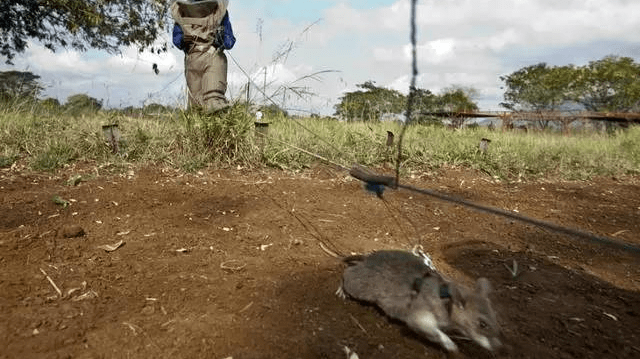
x=227, y=264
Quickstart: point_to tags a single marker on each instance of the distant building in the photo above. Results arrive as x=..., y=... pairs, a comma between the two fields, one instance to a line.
x=393, y=117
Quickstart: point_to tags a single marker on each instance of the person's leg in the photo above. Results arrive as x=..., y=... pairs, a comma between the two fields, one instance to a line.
x=194, y=67
x=214, y=81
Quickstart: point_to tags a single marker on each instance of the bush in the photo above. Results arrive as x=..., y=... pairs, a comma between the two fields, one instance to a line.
x=51, y=104
x=82, y=104
x=156, y=108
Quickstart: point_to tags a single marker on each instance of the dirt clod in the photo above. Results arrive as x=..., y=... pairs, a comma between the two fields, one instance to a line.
x=71, y=231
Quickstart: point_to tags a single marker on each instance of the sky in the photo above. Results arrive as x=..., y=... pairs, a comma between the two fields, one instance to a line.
x=319, y=49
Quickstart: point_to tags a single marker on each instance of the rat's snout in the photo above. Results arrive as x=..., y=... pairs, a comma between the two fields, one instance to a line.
x=501, y=348
x=489, y=343
x=495, y=343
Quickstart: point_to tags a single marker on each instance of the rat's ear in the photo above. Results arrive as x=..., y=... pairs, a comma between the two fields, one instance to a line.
x=457, y=295
x=483, y=287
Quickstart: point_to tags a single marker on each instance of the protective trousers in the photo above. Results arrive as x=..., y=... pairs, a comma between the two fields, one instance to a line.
x=206, y=74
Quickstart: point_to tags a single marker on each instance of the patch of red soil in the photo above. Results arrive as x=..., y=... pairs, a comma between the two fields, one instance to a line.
x=229, y=264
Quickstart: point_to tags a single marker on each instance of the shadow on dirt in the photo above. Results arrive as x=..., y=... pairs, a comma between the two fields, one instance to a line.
x=545, y=311
x=326, y=323
x=548, y=311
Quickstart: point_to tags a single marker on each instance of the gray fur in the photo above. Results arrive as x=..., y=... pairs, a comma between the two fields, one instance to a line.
x=405, y=288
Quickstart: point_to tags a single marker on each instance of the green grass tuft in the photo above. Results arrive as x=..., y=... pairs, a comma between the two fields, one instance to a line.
x=56, y=155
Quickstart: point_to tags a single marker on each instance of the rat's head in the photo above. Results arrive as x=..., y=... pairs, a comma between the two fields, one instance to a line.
x=473, y=315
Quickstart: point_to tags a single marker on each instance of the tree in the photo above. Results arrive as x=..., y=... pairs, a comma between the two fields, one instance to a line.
x=425, y=102
x=156, y=108
x=374, y=102
x=539, y=88
x=51, y=104
x=609, y=84
x=81, y=103
x=457, y=99
x=273, y=110
x=80, y=24
x=19, y=84
x=370, y=103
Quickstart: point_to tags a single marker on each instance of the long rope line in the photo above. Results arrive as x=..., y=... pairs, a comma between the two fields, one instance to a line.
x=379, y=182
x=536, y=222
x=412, y=88
x=388, y=181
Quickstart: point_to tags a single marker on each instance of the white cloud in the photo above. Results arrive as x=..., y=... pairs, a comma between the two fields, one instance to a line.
x=344, y=18
x=119, y=79
x=42, y=59
x=461, y=42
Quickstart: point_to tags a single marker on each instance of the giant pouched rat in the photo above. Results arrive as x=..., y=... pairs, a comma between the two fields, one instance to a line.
x=406, y=288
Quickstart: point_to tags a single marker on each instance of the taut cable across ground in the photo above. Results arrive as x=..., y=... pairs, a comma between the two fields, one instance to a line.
x=380, y=181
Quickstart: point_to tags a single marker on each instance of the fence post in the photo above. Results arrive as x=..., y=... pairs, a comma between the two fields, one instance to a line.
x=112, y=135
x=262, y=128
x=484, y=145
x=389, y=138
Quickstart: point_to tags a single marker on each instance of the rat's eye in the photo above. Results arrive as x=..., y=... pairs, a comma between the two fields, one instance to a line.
x=483, y=324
